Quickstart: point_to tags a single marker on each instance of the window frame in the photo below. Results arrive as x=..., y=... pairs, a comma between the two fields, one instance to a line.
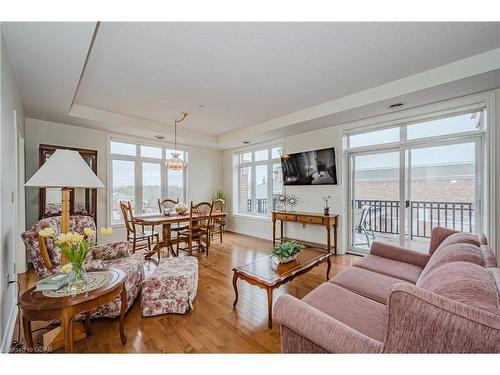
x=138, y=160
x=252, y=165
x=476, y=135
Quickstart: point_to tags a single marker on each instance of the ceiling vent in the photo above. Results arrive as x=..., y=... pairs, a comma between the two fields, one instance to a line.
x=159, y=137
x=397, y=105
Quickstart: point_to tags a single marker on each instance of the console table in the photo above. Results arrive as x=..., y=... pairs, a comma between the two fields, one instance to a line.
x=328, y=221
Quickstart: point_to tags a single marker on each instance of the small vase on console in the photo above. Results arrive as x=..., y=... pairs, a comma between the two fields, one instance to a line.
x=326, y=205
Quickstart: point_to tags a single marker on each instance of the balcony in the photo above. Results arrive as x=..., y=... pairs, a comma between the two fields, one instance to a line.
x=380, y=219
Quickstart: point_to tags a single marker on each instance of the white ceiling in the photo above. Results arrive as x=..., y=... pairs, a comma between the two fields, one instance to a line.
x=244, y=74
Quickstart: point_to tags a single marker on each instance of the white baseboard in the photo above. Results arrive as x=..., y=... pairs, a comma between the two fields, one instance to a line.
x=9, y=330
x=264, y=236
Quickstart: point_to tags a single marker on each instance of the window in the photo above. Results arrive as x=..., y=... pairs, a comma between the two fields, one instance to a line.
x=449, y=125
x=260, y=179
x=374, y=138
x=408, y=179
x=138, y=174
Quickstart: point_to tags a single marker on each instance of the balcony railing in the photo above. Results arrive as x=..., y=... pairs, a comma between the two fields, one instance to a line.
x=261, y=205
x=384, y=216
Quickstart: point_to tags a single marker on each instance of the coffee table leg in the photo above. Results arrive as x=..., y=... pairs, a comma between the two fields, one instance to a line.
x=123, y=307
x=67, y=327
x=329, y=266
x=235, y=286
x=28, y=335
x=270, y=307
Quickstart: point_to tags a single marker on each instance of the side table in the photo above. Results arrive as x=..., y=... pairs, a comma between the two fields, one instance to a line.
x=36, y=306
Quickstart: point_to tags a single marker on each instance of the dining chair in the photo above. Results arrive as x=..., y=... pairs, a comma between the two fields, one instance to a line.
x=136, y=234
x=218, y=223
x=198, y=230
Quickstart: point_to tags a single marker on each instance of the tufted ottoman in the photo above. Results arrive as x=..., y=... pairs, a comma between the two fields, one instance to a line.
x=171, y=288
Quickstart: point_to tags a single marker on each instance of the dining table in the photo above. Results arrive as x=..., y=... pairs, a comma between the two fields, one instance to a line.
x=166, y=221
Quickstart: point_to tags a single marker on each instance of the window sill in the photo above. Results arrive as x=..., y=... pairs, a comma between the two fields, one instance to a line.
x=252, y=217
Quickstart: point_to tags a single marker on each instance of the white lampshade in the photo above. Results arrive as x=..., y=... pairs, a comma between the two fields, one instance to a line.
x=63, y=169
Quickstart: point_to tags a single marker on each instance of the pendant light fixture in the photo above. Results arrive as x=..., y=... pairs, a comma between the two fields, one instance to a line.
x=175, y=162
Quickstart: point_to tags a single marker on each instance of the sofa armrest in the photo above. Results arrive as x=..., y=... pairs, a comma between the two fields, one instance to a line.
x=110, y=251
x=399, y=253
x=420, y=321
x=320, y=328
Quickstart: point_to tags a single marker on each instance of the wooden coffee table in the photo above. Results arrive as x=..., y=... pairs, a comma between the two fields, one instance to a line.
x=36, y=306
x=264, y=273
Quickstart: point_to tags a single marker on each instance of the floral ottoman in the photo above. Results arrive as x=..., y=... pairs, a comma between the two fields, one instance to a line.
x=171, y=288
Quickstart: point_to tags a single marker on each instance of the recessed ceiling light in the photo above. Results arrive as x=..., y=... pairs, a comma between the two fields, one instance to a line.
x=159, y=137
x=396, y=105
x=246, y=142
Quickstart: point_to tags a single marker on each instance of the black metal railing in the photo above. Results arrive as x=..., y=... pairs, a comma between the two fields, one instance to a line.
x=384, y=216
x=261, y=207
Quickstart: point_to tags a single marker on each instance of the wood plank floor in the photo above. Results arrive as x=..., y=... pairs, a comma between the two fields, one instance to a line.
x=213, y=326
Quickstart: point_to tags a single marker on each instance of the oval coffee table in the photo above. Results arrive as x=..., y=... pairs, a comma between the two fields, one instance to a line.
x=36, y=306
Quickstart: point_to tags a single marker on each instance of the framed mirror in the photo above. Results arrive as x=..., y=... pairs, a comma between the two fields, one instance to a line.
x=82, y=201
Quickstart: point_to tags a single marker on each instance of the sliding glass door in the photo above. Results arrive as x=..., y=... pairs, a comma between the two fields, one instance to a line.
x=375, y=198
x=441, y=190
x=399, y=194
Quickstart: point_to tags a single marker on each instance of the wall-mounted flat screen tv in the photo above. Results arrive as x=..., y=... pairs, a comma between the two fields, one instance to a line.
x=310, y=168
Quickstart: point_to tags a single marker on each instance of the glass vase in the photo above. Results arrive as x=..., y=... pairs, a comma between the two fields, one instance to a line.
x=78, y=276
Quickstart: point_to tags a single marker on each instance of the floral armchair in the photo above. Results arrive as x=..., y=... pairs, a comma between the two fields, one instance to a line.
x=115, y=255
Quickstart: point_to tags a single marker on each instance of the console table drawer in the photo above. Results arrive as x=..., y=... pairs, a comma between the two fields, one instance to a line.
x=310, y=219
x=287, y=217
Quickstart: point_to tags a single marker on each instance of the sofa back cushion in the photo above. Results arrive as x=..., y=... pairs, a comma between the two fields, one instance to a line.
x=460, y=237
x=466, y=283
x=456, y=252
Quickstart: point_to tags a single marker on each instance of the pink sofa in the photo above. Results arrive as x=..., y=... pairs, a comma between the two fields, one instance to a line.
x=400, y=301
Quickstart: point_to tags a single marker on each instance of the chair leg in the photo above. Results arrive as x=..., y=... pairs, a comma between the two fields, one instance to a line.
x=158, y=248
x=220, y=234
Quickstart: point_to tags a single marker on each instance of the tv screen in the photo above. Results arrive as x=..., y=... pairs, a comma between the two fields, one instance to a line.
x=310, y=168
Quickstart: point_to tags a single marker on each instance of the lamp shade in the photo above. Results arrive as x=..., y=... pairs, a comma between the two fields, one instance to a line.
x=65, y=169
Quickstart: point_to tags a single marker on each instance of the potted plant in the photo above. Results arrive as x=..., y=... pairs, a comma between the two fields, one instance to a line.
x=287, y=251
x=219, y=194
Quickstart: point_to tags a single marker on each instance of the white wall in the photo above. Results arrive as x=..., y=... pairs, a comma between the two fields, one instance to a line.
x=204, y=174
x=10, y=103
x=309, y=197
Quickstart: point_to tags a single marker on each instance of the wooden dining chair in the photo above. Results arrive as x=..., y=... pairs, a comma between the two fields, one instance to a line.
x=167, y=204
x=218, y=223
x=198, y=231
x=136, y=234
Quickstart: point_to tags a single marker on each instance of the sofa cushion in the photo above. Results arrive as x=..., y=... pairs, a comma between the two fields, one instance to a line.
x=490, y=260
x=354, y=310
x=456, y=252
x=460, y=237
x=464, y=282
x=389, y=267
x=369, y=284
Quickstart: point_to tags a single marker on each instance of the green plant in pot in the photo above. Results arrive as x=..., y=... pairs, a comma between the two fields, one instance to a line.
x=219, y=194
x=287, y=251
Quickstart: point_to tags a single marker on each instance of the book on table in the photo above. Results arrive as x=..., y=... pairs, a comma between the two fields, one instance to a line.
x=52, y=282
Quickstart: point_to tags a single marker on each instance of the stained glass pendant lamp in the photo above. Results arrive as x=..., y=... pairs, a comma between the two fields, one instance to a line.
x=175, y=162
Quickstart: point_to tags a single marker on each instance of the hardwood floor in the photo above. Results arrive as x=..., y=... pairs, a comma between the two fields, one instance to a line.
x=213, y=326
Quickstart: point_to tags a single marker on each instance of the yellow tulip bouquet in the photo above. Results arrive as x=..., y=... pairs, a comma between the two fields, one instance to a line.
x=76, y=247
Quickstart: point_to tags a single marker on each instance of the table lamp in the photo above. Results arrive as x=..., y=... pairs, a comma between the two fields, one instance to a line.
x=65, y=169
